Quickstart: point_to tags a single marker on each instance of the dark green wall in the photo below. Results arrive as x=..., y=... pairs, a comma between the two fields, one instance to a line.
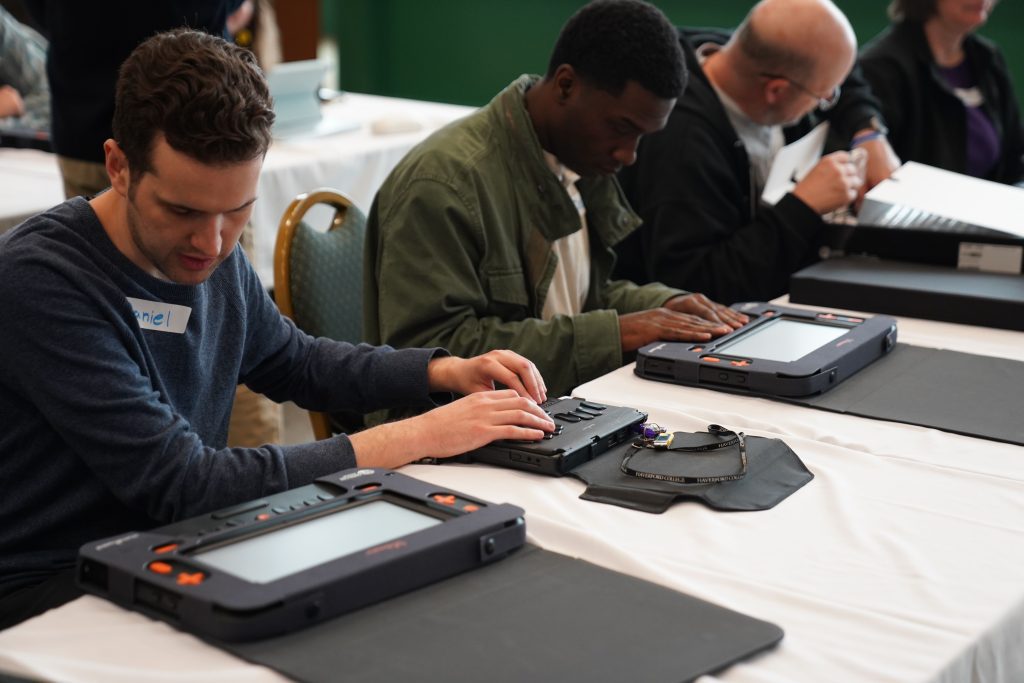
x=465, y=51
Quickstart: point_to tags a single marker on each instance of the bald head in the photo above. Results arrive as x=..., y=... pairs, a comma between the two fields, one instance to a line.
x=785, y=57
x=802, y=39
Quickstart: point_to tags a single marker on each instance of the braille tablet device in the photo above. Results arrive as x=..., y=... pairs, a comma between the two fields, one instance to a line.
x=288, y=560
x=583, y=430
x=782, y=351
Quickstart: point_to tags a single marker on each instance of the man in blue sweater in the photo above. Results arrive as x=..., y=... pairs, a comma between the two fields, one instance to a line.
x=128, y=321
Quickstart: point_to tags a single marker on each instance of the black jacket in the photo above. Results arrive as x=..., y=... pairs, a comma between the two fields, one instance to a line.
x=704, y=230
x=88, y=43
x=927, y=122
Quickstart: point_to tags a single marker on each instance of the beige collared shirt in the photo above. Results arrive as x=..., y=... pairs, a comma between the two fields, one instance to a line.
x=571, y=282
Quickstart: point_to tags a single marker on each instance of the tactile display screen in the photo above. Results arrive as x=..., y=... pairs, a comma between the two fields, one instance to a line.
x=291, y=549
x=782, y=339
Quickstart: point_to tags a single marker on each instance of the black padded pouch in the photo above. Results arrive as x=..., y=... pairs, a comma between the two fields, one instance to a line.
x=774, y=472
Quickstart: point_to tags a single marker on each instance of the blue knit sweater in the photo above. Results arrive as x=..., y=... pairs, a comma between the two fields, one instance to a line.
x=106, y=426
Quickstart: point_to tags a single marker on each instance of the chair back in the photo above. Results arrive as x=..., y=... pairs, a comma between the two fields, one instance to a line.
x=318, y=274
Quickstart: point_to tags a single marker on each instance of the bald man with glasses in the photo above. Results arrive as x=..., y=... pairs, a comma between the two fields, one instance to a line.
x=697, y=184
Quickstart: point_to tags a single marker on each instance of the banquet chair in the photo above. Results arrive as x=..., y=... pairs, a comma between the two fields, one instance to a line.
x=318, y=281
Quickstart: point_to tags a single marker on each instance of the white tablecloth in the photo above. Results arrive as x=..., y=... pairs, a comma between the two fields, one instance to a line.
x=355, y=162
x=29, y=183
x=901, y=561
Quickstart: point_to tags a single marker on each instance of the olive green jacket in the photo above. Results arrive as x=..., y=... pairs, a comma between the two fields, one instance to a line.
x=458, y=250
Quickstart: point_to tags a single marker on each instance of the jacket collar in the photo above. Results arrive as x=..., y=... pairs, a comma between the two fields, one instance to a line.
x=608, y=212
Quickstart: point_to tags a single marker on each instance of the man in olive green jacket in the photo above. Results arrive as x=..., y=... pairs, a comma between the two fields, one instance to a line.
x=463, y=238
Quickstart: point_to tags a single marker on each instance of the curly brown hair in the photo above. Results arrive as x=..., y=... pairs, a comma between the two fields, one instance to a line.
x=207, y=97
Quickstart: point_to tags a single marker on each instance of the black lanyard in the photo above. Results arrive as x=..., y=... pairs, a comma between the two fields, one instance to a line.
x=738, y=439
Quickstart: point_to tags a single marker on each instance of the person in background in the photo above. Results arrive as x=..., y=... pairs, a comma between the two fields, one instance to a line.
x=254, y=26
x=24, y=90
x=946, y=92
x=698, y=183
x=130, y=319
x=497, y=231
x=87, y=43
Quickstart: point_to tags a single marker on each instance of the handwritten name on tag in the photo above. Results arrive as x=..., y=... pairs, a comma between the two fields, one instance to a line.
x=160, y=316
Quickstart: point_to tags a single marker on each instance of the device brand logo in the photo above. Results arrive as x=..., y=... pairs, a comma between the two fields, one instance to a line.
x=354, y=475
x=117, y=541
x=385, y=547
x=659, y=347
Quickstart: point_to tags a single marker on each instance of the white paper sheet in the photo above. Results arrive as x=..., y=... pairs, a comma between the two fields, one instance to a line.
x=793, y=162
x=954, y=195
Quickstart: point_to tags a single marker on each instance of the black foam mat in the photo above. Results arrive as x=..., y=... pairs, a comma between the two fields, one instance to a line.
x=956, y=392
x=535, y=616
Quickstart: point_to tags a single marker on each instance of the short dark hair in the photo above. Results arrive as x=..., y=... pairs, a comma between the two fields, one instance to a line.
x=611, y=42
x=207, y=97
x=916, y=11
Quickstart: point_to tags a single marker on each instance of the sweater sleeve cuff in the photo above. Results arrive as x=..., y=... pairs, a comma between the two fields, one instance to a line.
x=305, y=462
x=406, y=382
x=598, y=345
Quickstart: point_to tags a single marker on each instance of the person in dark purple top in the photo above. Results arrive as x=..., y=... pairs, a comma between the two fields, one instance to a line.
x=982, y=137
x=945, y=92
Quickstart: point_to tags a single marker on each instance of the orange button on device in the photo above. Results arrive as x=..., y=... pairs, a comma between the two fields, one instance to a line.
x=444, y=499
x=190, y=578
x=711, y=359
x=166, y=548
x=471, y=508
x=160, y=568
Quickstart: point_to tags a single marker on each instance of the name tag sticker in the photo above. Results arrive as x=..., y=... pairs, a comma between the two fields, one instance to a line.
x=159, y=316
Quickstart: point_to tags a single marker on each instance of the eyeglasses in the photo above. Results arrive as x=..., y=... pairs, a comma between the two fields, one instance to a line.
x=824, y=103
x=662, y=441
